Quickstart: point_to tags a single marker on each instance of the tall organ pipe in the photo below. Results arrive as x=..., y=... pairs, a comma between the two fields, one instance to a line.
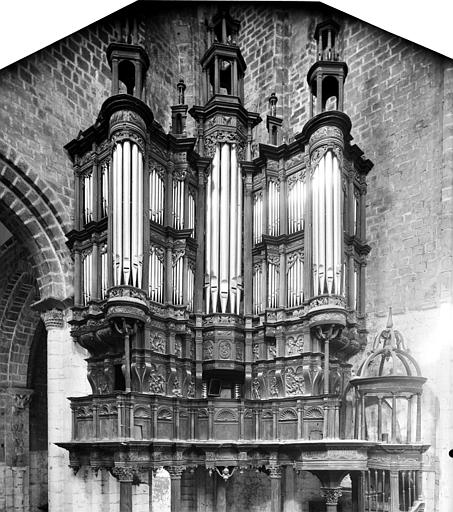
x=224, y=232
x=327, y=226
x=233, y=226
x=224, y=225
x=127, y=218
x=239, y=230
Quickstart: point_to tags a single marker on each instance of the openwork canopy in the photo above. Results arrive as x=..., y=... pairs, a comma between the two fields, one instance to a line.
x=389, y=355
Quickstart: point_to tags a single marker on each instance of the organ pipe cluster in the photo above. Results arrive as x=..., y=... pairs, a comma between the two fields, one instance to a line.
x=223, y=260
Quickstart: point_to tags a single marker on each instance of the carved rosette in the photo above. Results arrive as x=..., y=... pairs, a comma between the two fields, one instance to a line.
x=331, y=494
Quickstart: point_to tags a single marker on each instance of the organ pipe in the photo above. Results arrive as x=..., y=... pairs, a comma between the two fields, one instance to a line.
x=87, y=276
x=224, y=232
x=104, y=271
x=190, y=287
x=127, y=220
x=294, y=277
x=257, y=217
x=191, y=212
x=296, y=201
x=224, y=225
x=88, y=197
x=215, y=196
x=237, y=169
x=156, y=197
x=234, y=247
x=327, y=227
x=156, y=274
x=126, y=212
x=273, y=208
x=105, y=189
x=178, y=204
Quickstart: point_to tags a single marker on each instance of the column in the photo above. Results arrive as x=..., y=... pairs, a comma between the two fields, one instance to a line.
x=331, y=495
x=66, y=376
x=275, y=475
x=220, y=495
x=20, y=492
x=358, y=492
x=125, y=476
x=394, y=492
x=175, y=477
x=54, y=322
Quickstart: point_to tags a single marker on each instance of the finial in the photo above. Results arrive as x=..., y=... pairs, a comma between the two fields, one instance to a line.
x=181, y=86
x=390, y=319
x=273, y=104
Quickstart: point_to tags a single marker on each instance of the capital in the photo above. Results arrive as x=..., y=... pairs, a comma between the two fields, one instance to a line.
x=176, y=471
x=331, y=494
x=53, y=319
x=123, y=473
x=275, y=471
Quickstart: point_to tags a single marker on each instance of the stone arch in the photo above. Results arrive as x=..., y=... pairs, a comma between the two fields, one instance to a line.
x=18, y=321
x=31, y=210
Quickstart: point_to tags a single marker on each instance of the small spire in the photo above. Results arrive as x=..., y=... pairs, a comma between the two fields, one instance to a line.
x=181, y=86
x=273, y=104
x=390, y=319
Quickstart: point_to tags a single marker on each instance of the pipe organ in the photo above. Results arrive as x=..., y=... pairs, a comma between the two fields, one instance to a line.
x=218, y=290
x=195, y=231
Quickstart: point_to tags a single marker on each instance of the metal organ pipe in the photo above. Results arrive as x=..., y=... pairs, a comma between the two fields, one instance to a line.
x=104, y=262
x=215, y=197
x=327, y=226
x=233, y=235
x=127, y=221
x=224, y=225
x=156, y=197
x=126, y=212
x=209, y=214
x=237, y=169
x=224, y=232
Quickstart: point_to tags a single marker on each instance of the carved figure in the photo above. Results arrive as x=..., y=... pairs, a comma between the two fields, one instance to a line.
x=256, y=386
x=156, y=383
x=295, y=345
x=294, y=384
x=256, y=351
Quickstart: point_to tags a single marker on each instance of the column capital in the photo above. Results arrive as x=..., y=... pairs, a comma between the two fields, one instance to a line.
x=53, y=319
x=124, y=473
x=20, y=399
x=175, y=471
x=331, y=494
x=274, y=471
